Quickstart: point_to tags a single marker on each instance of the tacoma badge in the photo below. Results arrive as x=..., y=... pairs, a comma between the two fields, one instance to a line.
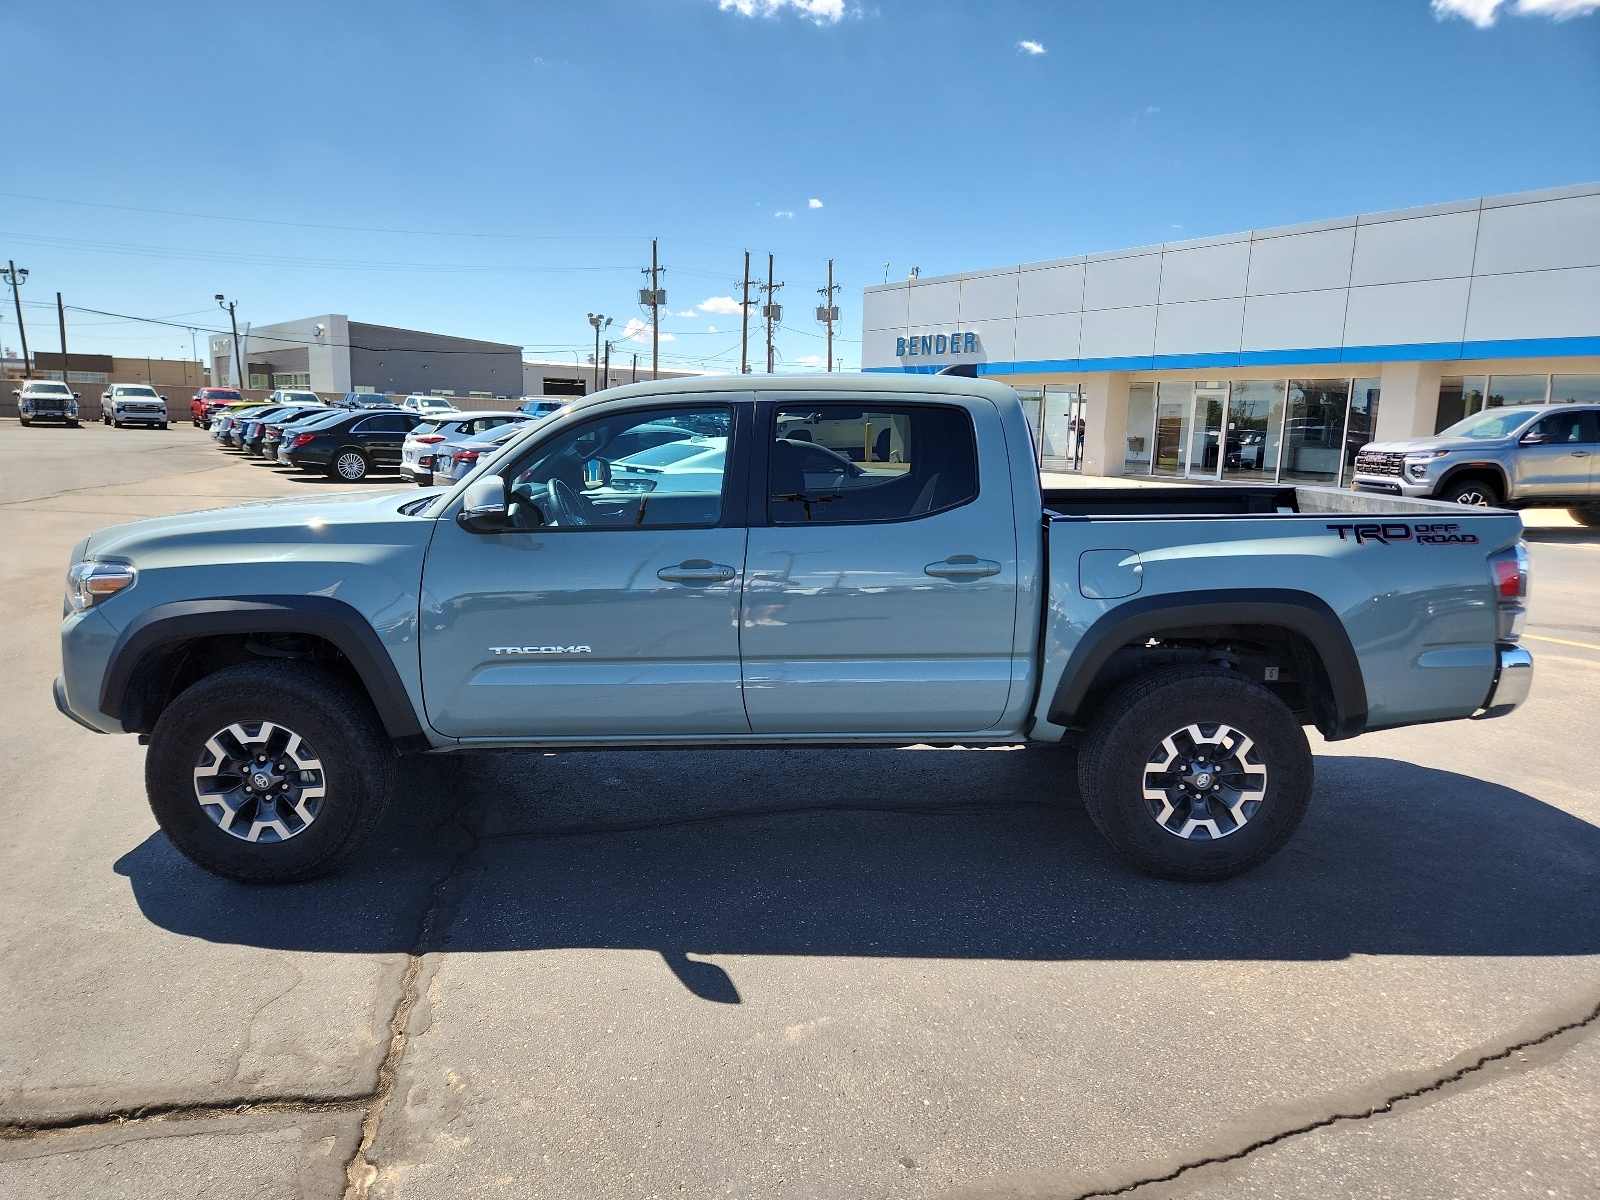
x=540, y=650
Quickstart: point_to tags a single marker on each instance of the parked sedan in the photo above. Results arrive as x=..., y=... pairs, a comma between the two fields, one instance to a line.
x=234, y=437
x=350, y=445
x=444, y=464
x=276, y=429
x=426, y=437
x=208, y=400
x=223, y=422
x=252, y=434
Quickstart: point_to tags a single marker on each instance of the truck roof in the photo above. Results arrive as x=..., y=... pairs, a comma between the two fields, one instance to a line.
x=853, y=384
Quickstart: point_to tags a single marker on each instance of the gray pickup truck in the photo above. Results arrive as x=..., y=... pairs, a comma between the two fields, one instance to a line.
x=1502, y=457
x=786, y=561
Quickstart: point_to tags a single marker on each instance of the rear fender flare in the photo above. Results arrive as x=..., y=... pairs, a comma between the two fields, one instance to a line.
x=1151, y=616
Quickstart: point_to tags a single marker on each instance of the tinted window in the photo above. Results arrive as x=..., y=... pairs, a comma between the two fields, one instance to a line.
x=585, y=478
x=839, y=463
x=1560, y=427
x=387, y=423
x=1487, y=426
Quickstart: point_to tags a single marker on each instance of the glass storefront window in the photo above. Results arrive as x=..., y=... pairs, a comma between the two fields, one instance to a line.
x=1459, y=397
x=1173, y=402
x=1363, y=420
x=1141, y=419
x=1255, y=425
x=1032, y=399
x=1314, y=430
x=1575, y=389
x=1062, y=445
x=1505, y=391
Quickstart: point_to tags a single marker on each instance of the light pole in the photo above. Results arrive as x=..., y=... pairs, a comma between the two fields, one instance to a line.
x=238, y=361
x=17, y=276
x=599, y=321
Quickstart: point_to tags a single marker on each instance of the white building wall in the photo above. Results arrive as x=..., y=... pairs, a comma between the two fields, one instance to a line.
x=1504, y=277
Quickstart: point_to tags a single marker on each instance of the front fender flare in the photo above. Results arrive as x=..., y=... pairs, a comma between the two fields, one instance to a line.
x=321, y=616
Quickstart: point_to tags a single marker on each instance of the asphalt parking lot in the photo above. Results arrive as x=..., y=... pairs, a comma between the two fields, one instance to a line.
x=910, y=973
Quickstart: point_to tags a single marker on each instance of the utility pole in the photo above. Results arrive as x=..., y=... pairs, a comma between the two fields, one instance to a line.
x=599, y=321
x=653, y=297
x=635, y=378
x=61, y=316
x=238, y=356
x=744, y=320
x=17, y=278
x=827, y=311
x=773, y=313
x=607, y=375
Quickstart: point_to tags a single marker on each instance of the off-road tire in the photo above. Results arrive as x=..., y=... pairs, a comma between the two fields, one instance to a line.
x=357, y=761
x=23, y=421
x=1586, y=516
x=345, y=473
x=1126, y=737
x=162, y=425
x=1479, y=493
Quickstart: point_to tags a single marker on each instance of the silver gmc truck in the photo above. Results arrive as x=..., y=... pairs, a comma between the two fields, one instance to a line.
x=1499, y=458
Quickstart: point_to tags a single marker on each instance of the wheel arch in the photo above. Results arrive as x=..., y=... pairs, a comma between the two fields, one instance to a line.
x=1492, y=471
x=175, y=644
x=1302, y=626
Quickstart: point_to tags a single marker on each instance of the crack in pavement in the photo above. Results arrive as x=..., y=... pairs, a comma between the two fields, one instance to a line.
x=360, y=1171
x=1385, y=1106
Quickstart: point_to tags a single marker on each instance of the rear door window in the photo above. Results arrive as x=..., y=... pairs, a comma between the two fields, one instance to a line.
x=840, y=464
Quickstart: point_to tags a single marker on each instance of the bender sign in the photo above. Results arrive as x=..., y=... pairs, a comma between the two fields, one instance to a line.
x=936, y=345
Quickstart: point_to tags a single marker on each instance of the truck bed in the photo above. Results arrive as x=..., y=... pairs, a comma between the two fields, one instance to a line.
x=1205, y=500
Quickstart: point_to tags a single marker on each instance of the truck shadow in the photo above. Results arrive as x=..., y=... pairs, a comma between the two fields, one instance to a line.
x=877, y=853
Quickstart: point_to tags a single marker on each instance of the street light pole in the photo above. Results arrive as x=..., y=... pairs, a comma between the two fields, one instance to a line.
x=17, y=278
x=599, y=321
x=238, y=360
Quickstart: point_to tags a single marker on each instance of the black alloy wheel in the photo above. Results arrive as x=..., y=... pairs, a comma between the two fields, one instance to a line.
x=1478, y=493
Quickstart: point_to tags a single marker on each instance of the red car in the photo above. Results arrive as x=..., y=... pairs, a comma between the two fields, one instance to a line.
x=207, y=400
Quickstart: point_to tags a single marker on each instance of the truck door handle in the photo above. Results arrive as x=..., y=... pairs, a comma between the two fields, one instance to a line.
x=696, y=570
x=962, y=566
x=1580, y=454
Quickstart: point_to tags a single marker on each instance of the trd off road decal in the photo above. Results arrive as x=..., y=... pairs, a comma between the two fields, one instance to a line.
x=1428, y=534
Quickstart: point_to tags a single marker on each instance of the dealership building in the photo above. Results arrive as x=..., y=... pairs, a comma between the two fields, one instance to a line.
x=1274, y=354
x=333, y=354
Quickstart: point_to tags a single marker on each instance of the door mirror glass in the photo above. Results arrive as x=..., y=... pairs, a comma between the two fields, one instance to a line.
x=1532, y=439
x=483, y=509
x=596, y=473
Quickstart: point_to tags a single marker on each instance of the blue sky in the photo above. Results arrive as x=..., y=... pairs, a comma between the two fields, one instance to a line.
x=496, y=170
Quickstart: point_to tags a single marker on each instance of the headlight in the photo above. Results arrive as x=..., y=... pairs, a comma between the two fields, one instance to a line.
x=90, y=582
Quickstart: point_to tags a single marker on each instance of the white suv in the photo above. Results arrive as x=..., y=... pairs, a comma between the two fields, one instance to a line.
x=133, y=404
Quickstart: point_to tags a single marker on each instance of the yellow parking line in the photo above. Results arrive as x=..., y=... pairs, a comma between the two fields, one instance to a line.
x=1561, y=641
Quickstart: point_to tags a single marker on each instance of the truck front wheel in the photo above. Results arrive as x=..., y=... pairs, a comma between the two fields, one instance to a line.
x=268, y=772
x=1478, y=492
x=1194, y=773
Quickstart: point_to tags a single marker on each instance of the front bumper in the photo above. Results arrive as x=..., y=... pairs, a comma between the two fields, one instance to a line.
x=139, y=418
x=1392, y=485
x=58, y=689
x=1513, y=680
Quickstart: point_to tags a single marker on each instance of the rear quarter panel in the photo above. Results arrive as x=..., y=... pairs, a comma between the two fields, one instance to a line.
x=1420, y=615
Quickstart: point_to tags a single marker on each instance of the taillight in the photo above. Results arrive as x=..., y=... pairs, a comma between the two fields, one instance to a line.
x=1509, y=571
x=301, y=439
x=467, y=456
x=428, y=439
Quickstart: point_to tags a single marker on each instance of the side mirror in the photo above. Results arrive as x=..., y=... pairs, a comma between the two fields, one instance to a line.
x=596, y=473
x=79, y=396
x=483, y=508
x=163, y=399
x=1532, y=439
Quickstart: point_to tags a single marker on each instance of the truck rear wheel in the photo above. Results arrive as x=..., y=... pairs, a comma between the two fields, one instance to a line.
x=268, y=772
x=1193, y=773
x=1586, y=516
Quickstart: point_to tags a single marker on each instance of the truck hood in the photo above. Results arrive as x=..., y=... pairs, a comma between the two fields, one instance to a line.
x=320, y=519
x=1429, y=445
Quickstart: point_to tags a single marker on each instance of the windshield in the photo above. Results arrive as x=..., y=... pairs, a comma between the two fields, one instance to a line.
x=220, y=394
x=50, y=389
x=1492, y=425
x=148, y=393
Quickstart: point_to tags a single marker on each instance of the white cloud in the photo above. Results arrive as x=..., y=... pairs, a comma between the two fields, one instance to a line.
x=688, y=312
x=1484, y=13
x=820, y=12
x=813, y=203
x=808, y=360
x=783, y=213
x=712, y=329
x=639, y=331
x=1027, y=46
x=720, y=304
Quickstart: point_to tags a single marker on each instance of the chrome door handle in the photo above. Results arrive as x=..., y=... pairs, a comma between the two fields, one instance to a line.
x=962, y=566
x=696, y=570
